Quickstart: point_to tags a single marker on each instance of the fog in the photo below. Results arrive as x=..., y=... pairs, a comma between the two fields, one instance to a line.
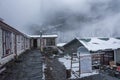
x=20, y=13
x=67, y=18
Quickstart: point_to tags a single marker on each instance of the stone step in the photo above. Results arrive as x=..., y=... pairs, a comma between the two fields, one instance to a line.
x=3, y=69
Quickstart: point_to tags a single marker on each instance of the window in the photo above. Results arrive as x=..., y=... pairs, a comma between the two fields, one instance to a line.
x=50, y=42
x=7, y=42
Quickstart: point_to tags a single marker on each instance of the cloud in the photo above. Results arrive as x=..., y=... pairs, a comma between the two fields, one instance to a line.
x=19, y=13
x=72, y=18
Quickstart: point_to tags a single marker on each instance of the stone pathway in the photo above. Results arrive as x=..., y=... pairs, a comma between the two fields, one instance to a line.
x=101, y=76
x=29, y=67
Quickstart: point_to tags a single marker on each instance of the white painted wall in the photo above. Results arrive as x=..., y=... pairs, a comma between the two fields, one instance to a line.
x=38, y=43
x=18, y=44
x=21, y=44
x=4, y=60
x=13, y=43
x=85, y=59
x=85, y=63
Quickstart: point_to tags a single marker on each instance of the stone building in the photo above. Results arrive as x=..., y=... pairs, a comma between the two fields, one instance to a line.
x=44, y=41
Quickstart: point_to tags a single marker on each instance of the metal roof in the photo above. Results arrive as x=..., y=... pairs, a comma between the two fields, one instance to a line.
x=96, y=44
x=44, y=36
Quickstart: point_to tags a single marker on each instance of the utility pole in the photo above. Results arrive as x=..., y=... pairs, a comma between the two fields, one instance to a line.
x=79, y=65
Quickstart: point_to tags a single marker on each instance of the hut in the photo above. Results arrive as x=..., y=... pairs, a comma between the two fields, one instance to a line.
x=43, y=41
x=95, y=52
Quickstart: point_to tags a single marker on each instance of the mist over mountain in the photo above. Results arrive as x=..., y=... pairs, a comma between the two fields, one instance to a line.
x=67, y=18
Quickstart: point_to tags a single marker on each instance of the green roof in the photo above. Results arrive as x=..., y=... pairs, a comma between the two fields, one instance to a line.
x=105, y=39
x=86, y=40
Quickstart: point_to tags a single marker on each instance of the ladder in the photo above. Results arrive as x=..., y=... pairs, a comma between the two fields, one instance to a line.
x=73, y=60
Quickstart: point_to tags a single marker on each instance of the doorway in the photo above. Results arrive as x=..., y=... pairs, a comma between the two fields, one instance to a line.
x=35, y=43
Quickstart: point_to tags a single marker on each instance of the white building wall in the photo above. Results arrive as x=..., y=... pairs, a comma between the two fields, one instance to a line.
x=22, y=44
x=85, y=60
x=4, y=60
x=18, y=44
x=44, y=42
x=1, y=49
x=13, y=43
x=38, y=43
x=85, y=63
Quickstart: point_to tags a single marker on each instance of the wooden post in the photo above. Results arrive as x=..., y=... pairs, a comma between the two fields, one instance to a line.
x=79, y=65
x=71, y=62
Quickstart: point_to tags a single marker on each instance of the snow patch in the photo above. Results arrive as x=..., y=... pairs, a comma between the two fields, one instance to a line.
x=96, y=44
x=44, y=36
x=61, y=44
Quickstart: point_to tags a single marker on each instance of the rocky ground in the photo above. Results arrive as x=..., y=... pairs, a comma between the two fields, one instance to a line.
x=55, y=70
x=28, y=67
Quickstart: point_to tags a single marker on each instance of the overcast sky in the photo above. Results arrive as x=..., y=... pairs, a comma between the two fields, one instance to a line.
x=20, y=13
x=72, y=18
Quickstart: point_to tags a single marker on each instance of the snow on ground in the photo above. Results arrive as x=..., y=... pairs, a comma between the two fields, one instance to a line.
x=66, y=61
x=43, y=70
x=84, y=74
x=61, y=44
x=75, y=70
x=88, y=74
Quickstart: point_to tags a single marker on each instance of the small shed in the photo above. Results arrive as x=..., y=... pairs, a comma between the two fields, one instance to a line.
x=94, y=51
x=101, y=51
x=85, y=60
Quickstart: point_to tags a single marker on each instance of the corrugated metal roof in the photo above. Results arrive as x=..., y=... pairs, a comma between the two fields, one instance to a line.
x=5, y=26
x=44, y=36
x=96, y=44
